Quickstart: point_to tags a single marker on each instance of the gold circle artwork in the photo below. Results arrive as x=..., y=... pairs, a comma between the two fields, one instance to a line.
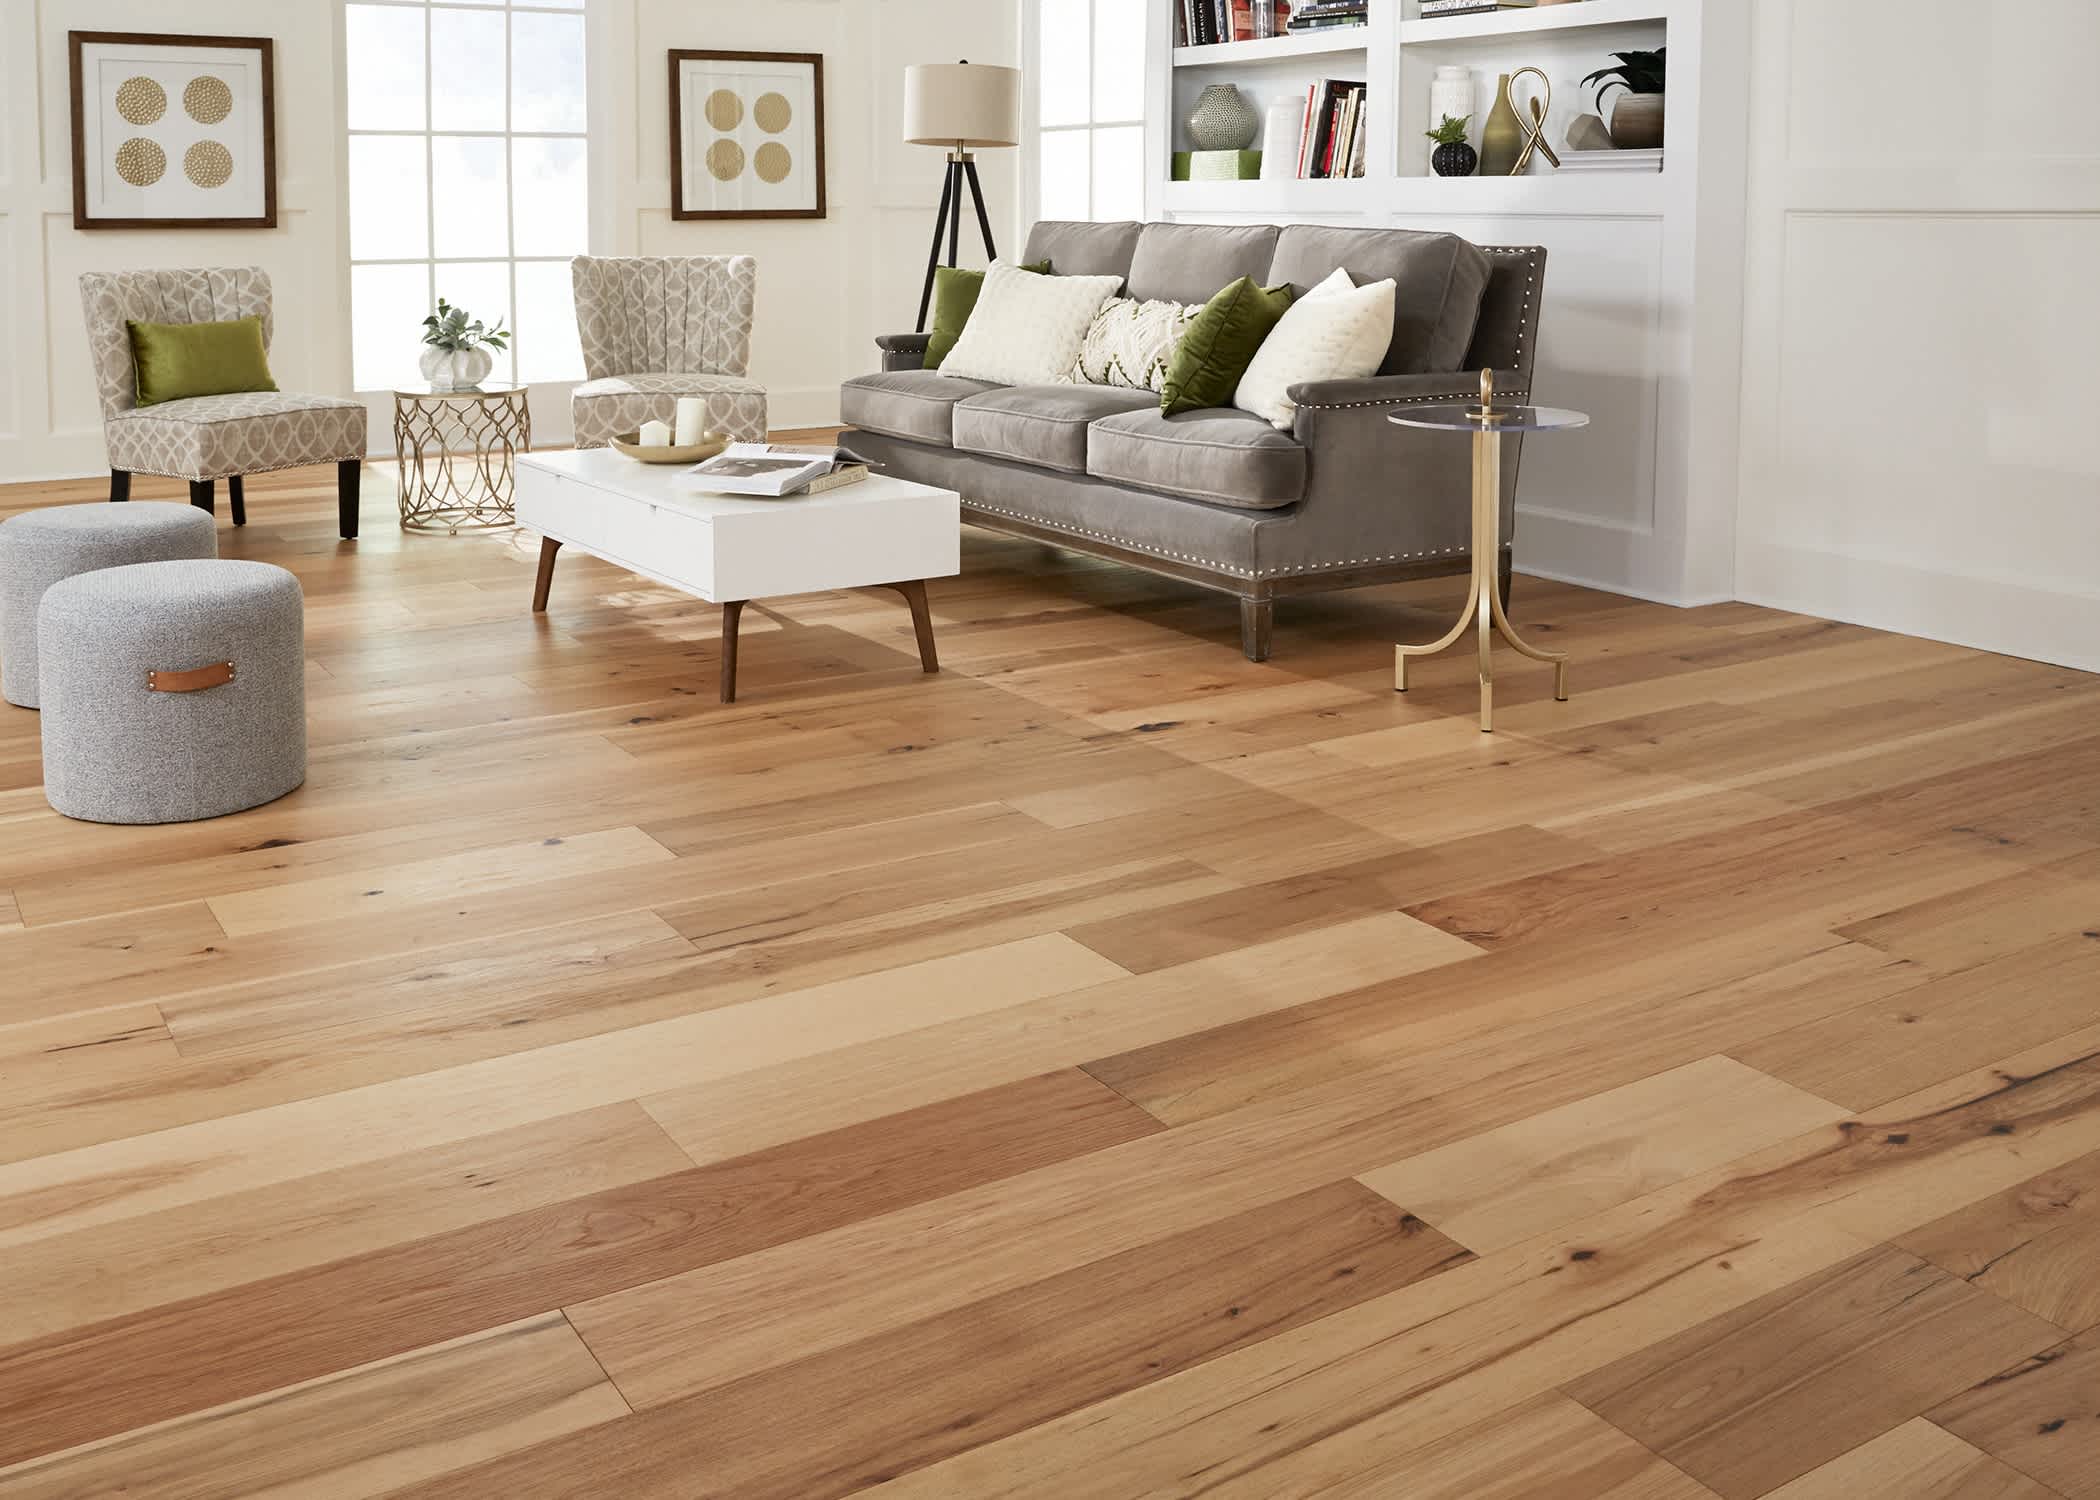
x=140, y=162
x=772, y=163
x=724, y=110
x=208, y=164
x=772, y=113
x=207, y=99
x=725, y=160
x=141, y=101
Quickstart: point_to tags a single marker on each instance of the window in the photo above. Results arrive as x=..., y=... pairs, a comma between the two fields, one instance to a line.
x=1089, y=64
x=468, y=178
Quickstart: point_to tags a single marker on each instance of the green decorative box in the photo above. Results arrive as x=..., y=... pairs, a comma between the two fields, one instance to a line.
x=1216, y=166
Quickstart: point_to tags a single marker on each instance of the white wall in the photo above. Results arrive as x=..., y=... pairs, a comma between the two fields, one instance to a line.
x=50, y=423
x=1919, y=393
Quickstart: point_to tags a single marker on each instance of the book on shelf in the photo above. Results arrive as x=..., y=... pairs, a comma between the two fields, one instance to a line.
x=1336, y=127
x=1205, y=23
x=1435, y=9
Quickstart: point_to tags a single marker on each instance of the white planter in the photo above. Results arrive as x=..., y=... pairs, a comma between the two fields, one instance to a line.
x=463, y=370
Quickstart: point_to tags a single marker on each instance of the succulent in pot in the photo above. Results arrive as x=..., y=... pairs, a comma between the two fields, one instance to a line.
x=1637, y=119
x=458, y=357
x=1452, y=157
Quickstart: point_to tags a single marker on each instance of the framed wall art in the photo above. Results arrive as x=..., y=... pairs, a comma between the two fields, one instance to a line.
x=173, y=132
x=747, y=135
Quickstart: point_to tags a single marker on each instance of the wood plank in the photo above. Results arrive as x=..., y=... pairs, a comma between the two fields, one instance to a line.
x=1760, y=1396
x=1917, y=1461
x=1506, y=1185
x=180, y=1357
x=356, y=1433
x=830, y=1424
x=2037, y=1245
x=1965, y=928
x=2041, y=1416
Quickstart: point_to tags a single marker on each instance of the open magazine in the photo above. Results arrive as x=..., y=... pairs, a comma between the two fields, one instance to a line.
x=777, y=469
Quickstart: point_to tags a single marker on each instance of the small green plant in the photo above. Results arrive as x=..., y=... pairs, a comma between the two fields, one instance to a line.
x=450, y=330
x=1637, y=73
x=1451, y=133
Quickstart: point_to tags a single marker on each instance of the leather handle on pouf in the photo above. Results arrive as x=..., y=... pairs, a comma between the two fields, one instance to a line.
x=196, y=680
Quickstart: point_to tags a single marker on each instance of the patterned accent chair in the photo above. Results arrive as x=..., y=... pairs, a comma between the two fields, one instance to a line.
x=655, y=328
x=208, y=438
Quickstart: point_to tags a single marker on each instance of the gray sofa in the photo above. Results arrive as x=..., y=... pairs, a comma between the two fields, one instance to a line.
x=1220, y=497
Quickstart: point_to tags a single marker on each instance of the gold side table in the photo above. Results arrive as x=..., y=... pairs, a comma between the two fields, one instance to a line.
x=1487, y=423
x=458, y=453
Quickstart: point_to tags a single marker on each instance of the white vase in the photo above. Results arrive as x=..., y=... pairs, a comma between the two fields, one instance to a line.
x=1451, y=93
x=455, y=370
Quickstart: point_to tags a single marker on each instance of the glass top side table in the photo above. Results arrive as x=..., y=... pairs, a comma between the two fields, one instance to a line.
x=458, y=453
x=1487, y=423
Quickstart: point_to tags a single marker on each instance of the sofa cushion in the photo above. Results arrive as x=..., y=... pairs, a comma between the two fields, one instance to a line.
x=1081, y=249
x=914, y=404
x=1439, y=278
x=1217, y=454
x=1192, y=262
x=1043, y=425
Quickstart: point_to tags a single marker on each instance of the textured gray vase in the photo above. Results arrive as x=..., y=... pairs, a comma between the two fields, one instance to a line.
x=1223, y=120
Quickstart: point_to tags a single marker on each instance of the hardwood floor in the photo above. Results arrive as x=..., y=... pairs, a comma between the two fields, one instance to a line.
x=1107, y=1068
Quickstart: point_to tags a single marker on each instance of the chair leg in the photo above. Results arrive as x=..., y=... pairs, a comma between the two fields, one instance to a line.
x=236, y=501
x=201, y=495
x=119, y=485
x=1257, y=621
x=348, y=474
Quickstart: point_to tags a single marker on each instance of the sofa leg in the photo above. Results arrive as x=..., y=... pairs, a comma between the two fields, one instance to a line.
x=1257, y=622
x=348, y=474
x=201, y=495
x=119, y=485
x=1504, y=570
x=236, y=501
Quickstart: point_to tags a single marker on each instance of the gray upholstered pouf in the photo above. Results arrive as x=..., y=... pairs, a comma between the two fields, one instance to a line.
x=139, y=726
x=39, y=547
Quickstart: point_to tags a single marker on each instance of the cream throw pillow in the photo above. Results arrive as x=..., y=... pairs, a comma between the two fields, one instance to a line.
x=1028, y=329
x=1129, y=343
x=1336, y=331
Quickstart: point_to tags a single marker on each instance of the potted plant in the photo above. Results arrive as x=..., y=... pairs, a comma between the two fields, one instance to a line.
x=458, y=358
x=1452, y=157
x=1637, y=119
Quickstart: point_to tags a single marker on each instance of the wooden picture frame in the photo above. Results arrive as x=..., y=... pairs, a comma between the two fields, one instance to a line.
x=211, y=113
x=718, y=136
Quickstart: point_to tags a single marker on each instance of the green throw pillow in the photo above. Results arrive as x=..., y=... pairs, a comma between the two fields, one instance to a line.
x=954, y=299
x=1219, y=345
x=198, y=359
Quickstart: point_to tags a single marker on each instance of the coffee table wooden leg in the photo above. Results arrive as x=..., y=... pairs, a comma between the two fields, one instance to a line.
x=732, y=612
x=914, y=594
x=540, y=585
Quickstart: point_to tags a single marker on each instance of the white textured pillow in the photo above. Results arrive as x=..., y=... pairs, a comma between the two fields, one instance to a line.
x=1336, y=331
x=1129, y=343
x=1028, y=329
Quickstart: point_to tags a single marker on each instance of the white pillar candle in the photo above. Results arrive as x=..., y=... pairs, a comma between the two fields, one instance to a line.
x=692, y=417
x=654, y=435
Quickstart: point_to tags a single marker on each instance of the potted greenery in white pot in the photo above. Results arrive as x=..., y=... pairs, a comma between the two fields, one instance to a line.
x=458, y=357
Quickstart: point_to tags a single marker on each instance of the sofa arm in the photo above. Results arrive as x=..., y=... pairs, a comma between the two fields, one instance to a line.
x=903, y=351
x=1319, y=400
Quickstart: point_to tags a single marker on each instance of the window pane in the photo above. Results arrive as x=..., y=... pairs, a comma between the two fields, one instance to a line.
x=1119, y=60
x=483, y=289
x=470, y=207
x=546, y=72
x=1119, y=173
x=387, y=308
x=466, y=84
x=550, y=198
x=388, y=216
x=383, y=46
x=1062, y=85
x=1063, y=182
x=547, y=345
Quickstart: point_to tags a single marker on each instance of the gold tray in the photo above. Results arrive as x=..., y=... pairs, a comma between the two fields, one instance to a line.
x=710, y=444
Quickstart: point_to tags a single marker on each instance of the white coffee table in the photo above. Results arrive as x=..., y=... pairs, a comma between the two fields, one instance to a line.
x=651, y=519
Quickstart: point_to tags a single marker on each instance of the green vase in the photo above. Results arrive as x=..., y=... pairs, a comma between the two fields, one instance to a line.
x=1502, y=138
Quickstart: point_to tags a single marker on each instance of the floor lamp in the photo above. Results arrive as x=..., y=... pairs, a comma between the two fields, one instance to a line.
x=962, y=108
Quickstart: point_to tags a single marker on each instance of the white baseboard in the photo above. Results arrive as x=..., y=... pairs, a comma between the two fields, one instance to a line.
x=1603, y=586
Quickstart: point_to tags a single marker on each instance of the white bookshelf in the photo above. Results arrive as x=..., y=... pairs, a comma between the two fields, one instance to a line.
x=1275, y=49
x=1540, y=20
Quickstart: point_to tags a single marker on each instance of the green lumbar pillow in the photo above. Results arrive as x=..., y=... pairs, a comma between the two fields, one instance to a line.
x=175, y=360
x=1219, y=345
x=954, y=299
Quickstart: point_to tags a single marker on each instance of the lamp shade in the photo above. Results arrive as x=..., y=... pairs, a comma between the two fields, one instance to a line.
x=962, y=104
